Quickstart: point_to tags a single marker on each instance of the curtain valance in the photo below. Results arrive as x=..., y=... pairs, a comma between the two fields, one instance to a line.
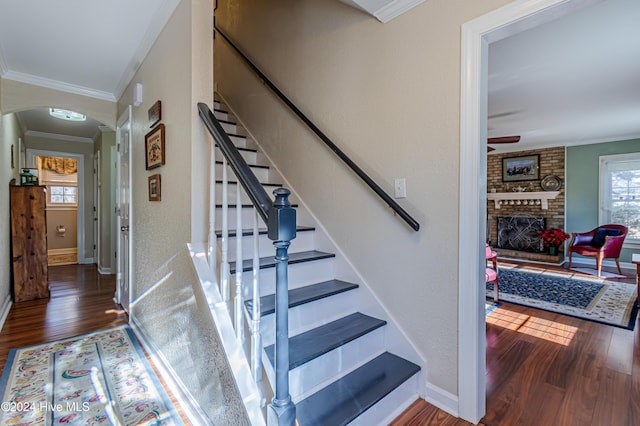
x=60, y=165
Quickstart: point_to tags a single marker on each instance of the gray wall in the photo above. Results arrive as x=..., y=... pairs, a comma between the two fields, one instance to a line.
x=583, y=181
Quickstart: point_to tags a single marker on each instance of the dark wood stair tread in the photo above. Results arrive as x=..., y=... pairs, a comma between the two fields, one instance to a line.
x=233, y=182
x=302, y=295
x=256, y=166
x=246, y=206
x=311, y=344
x=243, y=149
x=344, y=400
x=261, y=231
x=270, y=261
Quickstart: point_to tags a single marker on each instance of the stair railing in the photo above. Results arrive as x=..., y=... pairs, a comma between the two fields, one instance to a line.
x=397, y=209
x=280, y=219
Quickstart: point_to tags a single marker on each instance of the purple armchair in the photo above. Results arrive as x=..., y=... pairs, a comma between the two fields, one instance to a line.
x=605, y=241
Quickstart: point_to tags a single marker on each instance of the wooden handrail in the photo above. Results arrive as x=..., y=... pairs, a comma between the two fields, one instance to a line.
x=328, y=142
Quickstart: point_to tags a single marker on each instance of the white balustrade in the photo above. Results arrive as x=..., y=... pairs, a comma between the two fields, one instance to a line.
x=238, y=310
x=224, y=239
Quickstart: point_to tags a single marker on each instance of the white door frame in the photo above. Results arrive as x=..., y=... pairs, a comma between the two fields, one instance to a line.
x=477, y=34
x=124, y=122
x=97, y=190
x=30, y=155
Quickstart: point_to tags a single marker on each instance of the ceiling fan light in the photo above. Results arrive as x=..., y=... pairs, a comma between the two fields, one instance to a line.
x=65, y=114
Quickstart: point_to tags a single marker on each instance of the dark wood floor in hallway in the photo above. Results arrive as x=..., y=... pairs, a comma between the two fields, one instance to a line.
x=81, y=301
x=559, y=371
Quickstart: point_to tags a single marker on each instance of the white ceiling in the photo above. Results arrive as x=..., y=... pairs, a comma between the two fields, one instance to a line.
x=573, y=80
x=91, y=48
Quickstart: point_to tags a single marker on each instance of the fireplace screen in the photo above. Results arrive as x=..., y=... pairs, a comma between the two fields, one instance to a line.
x=520, y=233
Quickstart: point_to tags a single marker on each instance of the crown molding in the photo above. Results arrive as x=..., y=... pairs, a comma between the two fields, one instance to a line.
x=395, y=8
x=56, y=136
x=160, y=19
x=387, y=11
x=59, y=85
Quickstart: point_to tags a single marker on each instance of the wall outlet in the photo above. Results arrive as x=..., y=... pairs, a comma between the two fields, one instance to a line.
x=400, y=188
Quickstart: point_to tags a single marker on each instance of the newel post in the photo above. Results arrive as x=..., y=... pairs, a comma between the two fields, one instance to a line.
x=281, y=230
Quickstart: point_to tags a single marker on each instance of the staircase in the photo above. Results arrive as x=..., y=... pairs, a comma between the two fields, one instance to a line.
x=341, y=367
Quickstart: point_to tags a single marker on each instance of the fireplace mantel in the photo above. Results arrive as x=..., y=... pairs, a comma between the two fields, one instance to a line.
x=523, y=198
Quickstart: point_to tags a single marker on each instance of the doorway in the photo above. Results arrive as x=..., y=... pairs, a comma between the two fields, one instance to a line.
x=63, y=174
x=476, y=37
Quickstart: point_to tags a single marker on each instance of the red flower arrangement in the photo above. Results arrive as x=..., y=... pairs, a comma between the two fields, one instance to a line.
x=553, y=237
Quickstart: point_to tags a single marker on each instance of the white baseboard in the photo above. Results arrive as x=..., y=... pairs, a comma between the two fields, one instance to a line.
x=188, y=404
x=4, y=310
x=104, y=271
x=69, y=256
x=442, y=399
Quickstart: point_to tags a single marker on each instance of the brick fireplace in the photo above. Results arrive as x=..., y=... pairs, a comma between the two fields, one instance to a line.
x=532, y=214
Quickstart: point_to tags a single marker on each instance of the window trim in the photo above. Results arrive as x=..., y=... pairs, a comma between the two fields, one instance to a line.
x=604, y=188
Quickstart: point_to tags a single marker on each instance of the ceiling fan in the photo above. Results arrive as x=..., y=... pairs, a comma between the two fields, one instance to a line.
x=502, y=139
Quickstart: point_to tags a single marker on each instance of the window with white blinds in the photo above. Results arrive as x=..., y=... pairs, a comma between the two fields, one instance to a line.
x=620, y=192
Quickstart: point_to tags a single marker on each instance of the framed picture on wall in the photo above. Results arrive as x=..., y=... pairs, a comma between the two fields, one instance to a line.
x=154, y=147
x=155, y=113
x=520, y=168
x=155, y=188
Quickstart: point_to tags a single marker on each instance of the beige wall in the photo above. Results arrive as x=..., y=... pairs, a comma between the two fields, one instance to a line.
x=9, y=133
x=389, y=95
x=68, y=219
x=166, y=301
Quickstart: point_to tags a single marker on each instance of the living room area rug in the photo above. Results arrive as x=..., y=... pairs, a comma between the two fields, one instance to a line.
x=100, y=378
x=590, y=298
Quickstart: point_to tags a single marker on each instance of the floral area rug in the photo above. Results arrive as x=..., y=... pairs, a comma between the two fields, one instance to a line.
x=101, y=378
x=598, y=300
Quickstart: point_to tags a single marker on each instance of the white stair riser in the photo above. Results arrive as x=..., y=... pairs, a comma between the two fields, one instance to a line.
x=300, y=275
x=232, y=193
x=391, y=406
x=320, y=372
x=229, y=128
x=222, y=115
x=262, y=174
x=247, y=218
x=250, y=157
x=303, y=241
x=310, y=315
x=239, y=142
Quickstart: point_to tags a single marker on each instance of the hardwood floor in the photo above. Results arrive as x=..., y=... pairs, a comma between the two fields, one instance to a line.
x=566, y=371
x=81, y=301
x=569, y=372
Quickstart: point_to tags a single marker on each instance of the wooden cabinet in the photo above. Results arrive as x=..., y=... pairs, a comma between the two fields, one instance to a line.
x=29, y=242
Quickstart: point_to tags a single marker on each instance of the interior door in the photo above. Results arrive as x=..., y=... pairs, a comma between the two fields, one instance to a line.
x=123, y=209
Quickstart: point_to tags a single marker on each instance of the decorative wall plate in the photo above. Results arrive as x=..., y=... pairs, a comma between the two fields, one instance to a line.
x=550, y=183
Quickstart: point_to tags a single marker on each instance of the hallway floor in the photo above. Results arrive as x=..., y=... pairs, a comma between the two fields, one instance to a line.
x=81, y=301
